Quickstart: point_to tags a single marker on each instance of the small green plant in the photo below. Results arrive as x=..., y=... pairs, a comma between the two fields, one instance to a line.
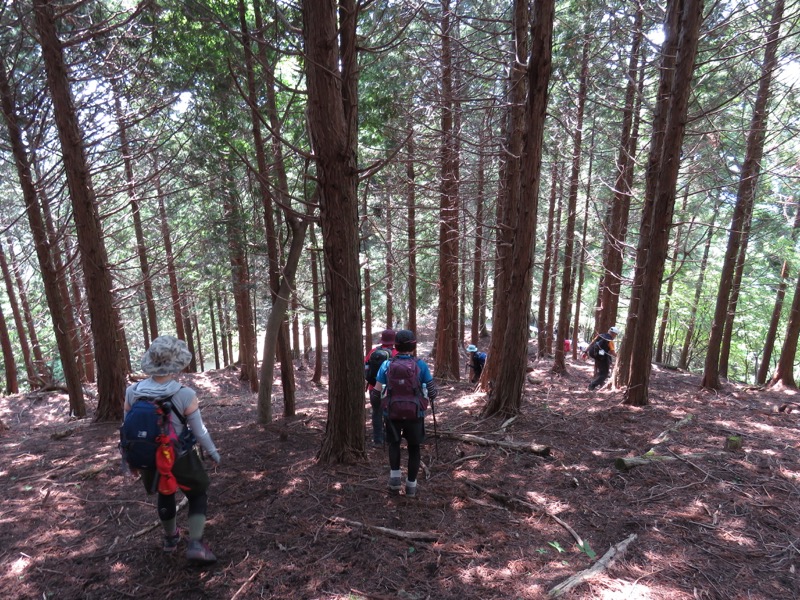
x=557, y=546
x=541, y=550
x=587, y=549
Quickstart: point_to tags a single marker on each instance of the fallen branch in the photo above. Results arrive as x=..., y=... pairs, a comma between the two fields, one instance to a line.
x=605, y=561
x=418, y=536
x=626, y=464
x=521, y=446
x=248, y=582
x=510, y=500
x=664, y=435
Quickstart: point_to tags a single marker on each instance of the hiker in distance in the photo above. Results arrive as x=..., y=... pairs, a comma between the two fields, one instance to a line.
x=476, y=362
x=373, y=362
x=166, y=357
x=602, y=351
x=405, y=384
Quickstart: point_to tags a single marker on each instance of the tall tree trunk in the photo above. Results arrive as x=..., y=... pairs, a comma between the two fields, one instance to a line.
x=551, y=284
x=111, y=369
x=447, y=363
x=390, y=318
x=682, y=28
x=730, y=313
x=278, y=171
x=9, y=362
x=38, y=230
x=506, y=396
x=411, y=208
x=17, y=315
x=141, y=245
x=223, y=333
x=275, y=322
x=745, y=196
x=240, y=278
x=213, y=331
x=26, y=307
x=617, y=226
x=665, y=312
x=332, y=79
x=565, y=306
x=583, y=254
x=683, y=360
x=784, y=371
x=769, y=341
x=478, y=268
x=544, y=290
x=317, y=377
x=174, y=290
x=508, y=197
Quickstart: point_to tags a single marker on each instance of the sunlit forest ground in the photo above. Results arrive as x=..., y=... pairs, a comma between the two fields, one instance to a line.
x=695, y=521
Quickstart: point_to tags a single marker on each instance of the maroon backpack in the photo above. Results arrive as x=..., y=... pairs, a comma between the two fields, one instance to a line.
x=403, y=399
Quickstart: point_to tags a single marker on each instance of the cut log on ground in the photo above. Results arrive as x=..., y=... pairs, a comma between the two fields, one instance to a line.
x=410, y=536
x=626, y=464
x=604, y=563
x=479, y=441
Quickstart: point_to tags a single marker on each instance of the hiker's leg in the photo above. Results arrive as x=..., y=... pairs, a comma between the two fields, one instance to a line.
x=393, y=440
x=198, y=506
x=166, y=512
x=414, y=460
x=377, y=417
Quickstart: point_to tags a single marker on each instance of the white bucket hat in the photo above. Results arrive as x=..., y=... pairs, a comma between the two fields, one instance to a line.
x=472, y=348
x=165, y=356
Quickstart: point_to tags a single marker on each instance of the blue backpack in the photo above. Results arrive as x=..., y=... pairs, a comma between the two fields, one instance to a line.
x=146, y=421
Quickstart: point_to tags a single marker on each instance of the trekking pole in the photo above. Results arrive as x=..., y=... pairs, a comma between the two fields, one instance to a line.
x=433, y=412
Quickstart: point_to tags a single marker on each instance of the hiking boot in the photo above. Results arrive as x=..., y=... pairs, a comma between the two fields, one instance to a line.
x=394, y=485
x=411, y=492
x=198, y=552
x=171, y=541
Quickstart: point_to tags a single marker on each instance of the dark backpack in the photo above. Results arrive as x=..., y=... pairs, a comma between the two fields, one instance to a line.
x=599, y=343
x=403, y=400
x=376, y=359
x=146, y=425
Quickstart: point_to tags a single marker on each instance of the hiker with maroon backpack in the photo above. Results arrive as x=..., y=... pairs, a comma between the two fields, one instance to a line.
x=372, y=364
x=170, y=466
x=406, y=385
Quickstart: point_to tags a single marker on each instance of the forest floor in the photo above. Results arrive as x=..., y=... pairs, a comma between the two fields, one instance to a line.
x=492, y=521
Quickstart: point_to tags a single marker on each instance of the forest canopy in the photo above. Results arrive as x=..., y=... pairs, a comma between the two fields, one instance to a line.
x=269, y=180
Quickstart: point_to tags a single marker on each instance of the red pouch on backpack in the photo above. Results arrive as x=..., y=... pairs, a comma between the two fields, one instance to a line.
x=165, y=458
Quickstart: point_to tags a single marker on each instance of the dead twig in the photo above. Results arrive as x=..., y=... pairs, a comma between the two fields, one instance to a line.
x=417, y=536
x=605, y=561
x=250, y=579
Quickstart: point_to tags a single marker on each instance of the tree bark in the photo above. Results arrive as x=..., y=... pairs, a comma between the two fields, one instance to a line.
x=332, y=78
x=565, y=305
x=38, y=230
x=617, y=225
x=18, y=323
x=275, y=321
x=151, y=332
x=745, y=196
x=111, y=370
x=508, y=194
x=447, y=327
x=683, y=360
x=682, y=27
x=411, y=208
x=544, y=289
x=506, y=396
x=769, y=342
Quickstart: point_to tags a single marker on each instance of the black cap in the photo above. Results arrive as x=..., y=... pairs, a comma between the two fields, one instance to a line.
x=405, y=339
